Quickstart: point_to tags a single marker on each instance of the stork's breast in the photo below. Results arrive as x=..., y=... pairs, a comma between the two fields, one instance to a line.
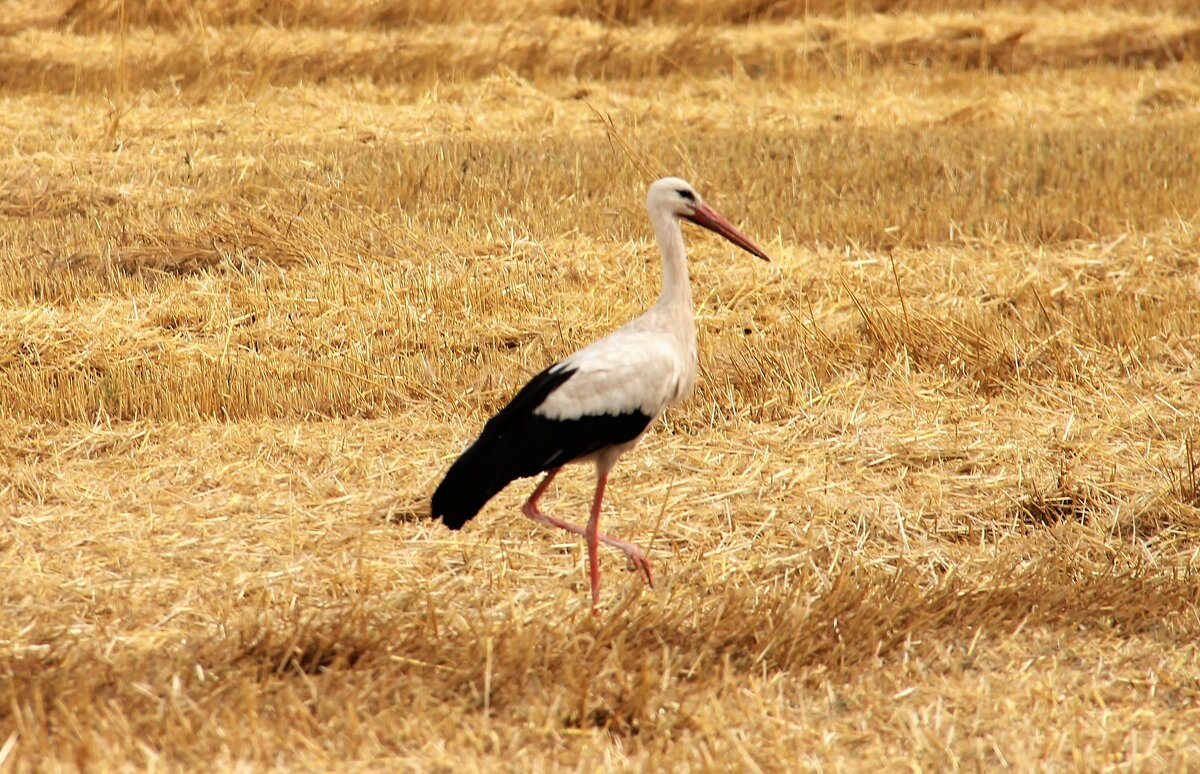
x=685, y=381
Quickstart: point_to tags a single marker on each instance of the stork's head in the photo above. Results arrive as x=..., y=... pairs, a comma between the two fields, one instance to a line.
x=673, y=195
x=677, y=197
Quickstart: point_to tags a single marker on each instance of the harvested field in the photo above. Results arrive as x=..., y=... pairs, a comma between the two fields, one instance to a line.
x=266, y=267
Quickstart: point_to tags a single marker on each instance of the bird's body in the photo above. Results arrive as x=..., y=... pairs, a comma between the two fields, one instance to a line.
x=595, y=404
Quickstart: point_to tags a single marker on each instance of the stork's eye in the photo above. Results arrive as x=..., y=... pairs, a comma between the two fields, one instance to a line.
x=691, y=197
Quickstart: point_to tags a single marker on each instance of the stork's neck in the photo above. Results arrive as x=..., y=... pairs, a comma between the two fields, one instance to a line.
x=676, y=296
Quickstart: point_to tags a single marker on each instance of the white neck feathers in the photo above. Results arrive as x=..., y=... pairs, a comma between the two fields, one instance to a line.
x=676, y=287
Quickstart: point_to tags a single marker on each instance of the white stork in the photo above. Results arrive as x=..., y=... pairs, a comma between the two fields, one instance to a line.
x=595, y=404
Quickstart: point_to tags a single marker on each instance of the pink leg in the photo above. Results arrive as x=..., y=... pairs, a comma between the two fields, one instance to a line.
x=593, y=542
x=637, y=557
x=530, y=508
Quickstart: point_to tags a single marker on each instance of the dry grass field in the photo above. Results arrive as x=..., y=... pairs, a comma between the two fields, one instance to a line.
x=267, y=265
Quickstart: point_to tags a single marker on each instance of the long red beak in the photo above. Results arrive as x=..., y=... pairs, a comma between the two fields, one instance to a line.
x=713, y=221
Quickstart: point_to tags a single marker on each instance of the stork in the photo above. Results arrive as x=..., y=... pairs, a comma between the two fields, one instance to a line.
x=595, y=404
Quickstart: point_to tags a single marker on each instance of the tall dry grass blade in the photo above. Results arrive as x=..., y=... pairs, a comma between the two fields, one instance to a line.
x=616, y=140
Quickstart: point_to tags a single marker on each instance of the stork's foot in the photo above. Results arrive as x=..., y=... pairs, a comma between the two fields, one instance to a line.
x=637, y=559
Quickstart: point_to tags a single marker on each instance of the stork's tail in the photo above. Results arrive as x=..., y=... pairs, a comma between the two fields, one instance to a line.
x=513, y=444
x=474, y=478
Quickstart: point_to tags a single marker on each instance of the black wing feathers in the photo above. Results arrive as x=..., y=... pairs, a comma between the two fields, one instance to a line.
x=517, y=443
